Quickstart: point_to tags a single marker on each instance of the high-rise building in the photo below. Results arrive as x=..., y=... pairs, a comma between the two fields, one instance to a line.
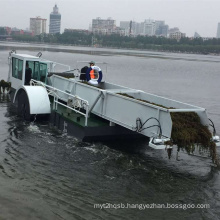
x=131, y=27
x=38, y=25
x=161, y=28
x=148, y=27
x=218, y=31
x=103, y=26
x=164, y=30
x=126, y=26
x=55, y=21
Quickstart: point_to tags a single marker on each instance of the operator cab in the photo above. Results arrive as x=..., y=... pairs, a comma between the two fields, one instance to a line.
x=17, y=62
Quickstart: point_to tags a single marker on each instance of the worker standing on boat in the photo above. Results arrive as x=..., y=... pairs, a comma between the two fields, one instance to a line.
x=28, y=73
x=92, y=72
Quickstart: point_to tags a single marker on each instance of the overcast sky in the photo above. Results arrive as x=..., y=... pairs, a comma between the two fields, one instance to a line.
x=201, y=16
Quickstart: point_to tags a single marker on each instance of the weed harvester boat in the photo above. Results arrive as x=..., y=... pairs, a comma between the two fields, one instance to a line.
x=91, y=110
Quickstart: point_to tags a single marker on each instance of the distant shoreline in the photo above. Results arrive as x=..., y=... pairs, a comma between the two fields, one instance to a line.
x=39, y=46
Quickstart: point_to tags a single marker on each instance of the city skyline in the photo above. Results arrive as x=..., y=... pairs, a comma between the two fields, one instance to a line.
x=199, y=16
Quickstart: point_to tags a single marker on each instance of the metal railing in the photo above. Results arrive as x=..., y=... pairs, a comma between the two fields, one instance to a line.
x=76, y=105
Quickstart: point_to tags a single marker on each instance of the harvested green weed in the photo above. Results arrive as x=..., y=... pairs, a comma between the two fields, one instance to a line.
x=188, y=132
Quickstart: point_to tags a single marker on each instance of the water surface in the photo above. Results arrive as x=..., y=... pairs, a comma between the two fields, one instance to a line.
x=45, y=174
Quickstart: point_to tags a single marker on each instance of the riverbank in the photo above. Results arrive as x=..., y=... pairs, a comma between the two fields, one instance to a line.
x=213, y=50
x=101, y=51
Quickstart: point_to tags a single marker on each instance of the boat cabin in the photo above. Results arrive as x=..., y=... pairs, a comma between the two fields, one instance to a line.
x=17, y=64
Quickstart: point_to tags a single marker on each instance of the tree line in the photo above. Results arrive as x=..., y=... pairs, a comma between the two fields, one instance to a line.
x=194, y=45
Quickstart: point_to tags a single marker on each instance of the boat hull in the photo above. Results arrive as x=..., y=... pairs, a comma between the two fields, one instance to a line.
x=92, y=133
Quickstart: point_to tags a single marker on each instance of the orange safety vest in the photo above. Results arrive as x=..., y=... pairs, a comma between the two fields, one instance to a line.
x=92, y=74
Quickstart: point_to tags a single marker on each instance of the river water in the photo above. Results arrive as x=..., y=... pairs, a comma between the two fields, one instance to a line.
x=45, y=174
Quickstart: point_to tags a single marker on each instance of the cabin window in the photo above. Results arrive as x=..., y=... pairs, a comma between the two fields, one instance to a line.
x=34, y=69
x=39, y=70
x=43, y=72
x=17, y=68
